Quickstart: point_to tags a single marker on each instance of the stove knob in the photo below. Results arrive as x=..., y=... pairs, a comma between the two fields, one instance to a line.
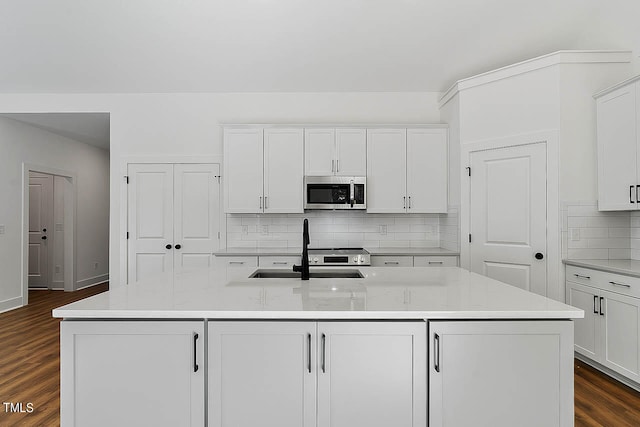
x=355, y=259
x=315, y=260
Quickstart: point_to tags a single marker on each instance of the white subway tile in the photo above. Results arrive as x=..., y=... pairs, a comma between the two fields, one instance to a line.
x=594, y=233
x=395, y=244
x=620, y=232
x=588, y=253
x=619, y=253
x=609, y=243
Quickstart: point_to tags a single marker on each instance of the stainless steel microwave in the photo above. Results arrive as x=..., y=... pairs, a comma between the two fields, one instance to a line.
x=335, y=192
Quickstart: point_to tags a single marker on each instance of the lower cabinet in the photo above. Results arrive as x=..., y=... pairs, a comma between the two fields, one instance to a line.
x=334, y=374
x=500, y=373
x=132, y=373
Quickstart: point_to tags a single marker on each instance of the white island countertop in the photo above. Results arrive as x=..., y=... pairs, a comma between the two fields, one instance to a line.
x=383, y=293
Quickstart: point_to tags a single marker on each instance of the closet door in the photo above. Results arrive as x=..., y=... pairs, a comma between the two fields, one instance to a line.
x=150, y=216
x=196, y=198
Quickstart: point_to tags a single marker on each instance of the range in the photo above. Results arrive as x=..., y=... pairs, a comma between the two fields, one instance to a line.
x=339, y=256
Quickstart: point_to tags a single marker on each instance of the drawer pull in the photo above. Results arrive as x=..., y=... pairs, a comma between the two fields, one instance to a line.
x=391, y=263
x=601, y=301
x=280, y=263
x=595, y=301
x=435, y=262
x=236, y=262
x=624, y=285
x=582, y=277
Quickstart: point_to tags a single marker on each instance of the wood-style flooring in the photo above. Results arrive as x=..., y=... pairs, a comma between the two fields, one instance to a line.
x=30, y=370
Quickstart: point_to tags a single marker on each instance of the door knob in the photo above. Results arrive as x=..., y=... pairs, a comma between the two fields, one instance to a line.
x=178, y=246
x=539, y=255
x=44, y=237
x=168, y=246
x=44, y=230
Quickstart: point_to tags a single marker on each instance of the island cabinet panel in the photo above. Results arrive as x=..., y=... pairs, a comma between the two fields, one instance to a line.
x=317, y=374
x=125, y=373
x=262, y=374
x=501, y=373
x=372, y=374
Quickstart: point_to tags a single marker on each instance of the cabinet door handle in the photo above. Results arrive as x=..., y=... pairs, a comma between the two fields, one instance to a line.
x=265, y=201
x=631, y=193
x=333, y=165
x=324, y=356
x=309, y=353
x=409, y=202
x=601, y=301
x=236, y=262
x=595, y=301
x=581, y=276
x=436, y=356
x=391, y=263
x=637, y=186
x=624, y=285
x=435, y=262
x=260, y=202
x=404, y=202
x=195, y=352
x=280, y=263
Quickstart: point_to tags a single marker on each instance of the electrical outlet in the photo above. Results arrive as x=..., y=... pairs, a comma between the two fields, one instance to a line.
x=95, y=265
x=265, y=230
x=383, y=230
x=575, y=234
x=1, y=229
x=245, y=229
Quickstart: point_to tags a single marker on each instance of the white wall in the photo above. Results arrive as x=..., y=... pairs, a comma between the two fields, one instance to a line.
x=189, y=124
x=21, y=143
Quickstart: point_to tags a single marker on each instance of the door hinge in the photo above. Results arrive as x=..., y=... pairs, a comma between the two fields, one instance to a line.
x=469, y=237
x=126, y=179
x=127, y=235
x=468, y=168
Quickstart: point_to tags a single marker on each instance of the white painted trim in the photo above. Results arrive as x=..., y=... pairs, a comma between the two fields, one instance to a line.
x=335, y=125
x=70, y=215
x=555, y=58
x=124, y=221
x=616, y=87
x=11, y=304
x=550, y=138
x=92, y=281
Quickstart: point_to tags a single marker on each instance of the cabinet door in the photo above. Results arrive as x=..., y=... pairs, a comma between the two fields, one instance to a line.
x=620, y=327
x=196, y=196
x=283, y=171
x=427, y=170
x=243, y=172
x=351, y=148
x=386, y=171
x=319, y=152
x=372, y=374
x=132, y=373
x=262, y=374
x=587, y=330
x=501, y=373
x=617, y=150
x=150, y=217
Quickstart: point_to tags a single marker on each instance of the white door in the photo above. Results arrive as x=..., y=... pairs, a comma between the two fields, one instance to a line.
x=150, y=206
x=386, y=171
x=243, y=170
x=618, y=150
x=319, y=152
x=40, y=229
x=283, y=171
x=351, y=152
x=587, y=330
x=262, y=374
x=132, y=374
x=620, y=316
x=427, y=170
x=196, y=198
x=508, y=212
x=372, y=374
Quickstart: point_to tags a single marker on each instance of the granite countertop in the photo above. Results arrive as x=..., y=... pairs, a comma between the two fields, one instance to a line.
x=382, y=293
x=629, y=267
x=298, y=251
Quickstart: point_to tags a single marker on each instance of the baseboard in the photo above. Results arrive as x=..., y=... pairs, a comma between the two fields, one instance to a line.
x=91, y=281
x=10, y=304
x=613, y=374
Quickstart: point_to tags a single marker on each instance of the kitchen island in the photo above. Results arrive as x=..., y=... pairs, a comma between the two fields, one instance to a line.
x=402, y=347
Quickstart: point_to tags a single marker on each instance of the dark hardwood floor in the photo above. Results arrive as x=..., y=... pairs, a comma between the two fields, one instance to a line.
x=30, y=370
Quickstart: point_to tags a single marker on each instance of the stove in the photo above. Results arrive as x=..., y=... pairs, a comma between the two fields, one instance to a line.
x=339, y=256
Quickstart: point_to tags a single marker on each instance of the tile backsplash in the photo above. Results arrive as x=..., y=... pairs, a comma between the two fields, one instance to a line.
x=343, y=228
x=590, y=234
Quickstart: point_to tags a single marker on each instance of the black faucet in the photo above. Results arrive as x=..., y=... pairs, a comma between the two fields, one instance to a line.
x=304, y=268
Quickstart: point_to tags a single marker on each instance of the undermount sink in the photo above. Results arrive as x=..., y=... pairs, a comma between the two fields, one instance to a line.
x=289, y=274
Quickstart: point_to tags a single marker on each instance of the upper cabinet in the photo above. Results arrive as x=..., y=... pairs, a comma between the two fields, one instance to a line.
x=407, y=170
x=340, y=152
x=263, y=170
x=618, y=147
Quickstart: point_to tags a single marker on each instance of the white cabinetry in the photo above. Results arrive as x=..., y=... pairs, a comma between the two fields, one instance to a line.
x=407, y=170
x=501, y=374
x=435, y=261
x=359, y=373
x=413, y=261
x=610, y=331
x=618, y=148
x=132, y=373
x=263, y=170
x=339, y=152
x=173, y=217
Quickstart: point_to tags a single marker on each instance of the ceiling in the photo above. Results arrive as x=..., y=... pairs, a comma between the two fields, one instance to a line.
x=70, y=46
x=90, y=128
